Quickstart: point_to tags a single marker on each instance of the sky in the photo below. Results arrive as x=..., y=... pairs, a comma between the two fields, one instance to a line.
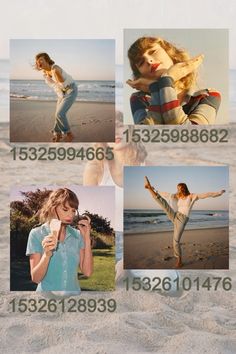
x=86, y=59
x=199, y=179
x=97, y=200
x=213, y=72
x=107, y=18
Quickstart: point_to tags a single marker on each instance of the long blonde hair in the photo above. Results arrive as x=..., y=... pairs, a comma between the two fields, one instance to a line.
x=182, y=190
x=56, y=198
x=141, y=45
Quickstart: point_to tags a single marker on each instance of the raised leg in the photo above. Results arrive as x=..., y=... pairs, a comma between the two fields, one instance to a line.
x=161, y=201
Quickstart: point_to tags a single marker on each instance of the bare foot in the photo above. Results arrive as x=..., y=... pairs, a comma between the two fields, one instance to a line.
x=147, y=184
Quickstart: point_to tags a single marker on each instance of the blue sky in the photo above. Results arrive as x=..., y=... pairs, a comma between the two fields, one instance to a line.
x=165, y=178
x=84, y=59
x=99, y=200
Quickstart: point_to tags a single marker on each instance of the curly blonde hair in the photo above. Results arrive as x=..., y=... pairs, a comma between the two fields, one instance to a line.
x=56, y=198
x=141, y=45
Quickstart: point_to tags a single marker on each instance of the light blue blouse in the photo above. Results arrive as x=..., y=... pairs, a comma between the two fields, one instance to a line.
x=63, y=265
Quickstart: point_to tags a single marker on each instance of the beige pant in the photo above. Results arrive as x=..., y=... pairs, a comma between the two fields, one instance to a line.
x=179, y=221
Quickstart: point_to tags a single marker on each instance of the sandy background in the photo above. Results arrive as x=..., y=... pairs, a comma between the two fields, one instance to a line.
x=196, y=321
x=32, y=121
x=202, y=249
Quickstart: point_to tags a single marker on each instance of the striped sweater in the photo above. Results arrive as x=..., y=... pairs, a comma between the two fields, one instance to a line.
x=163, y=107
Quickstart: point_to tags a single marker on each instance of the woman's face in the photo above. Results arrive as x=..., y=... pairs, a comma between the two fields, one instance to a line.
x=154, y=62
x=178, y=189
x=120, y=142
x=42, y=64
x=65, y=213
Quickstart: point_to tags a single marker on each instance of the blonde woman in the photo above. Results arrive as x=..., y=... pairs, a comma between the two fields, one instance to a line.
x=165, y=78
x=66, y=90
x=55, y=256
x=184, y=200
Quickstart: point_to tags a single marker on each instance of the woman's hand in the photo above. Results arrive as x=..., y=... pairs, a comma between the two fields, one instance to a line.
x=84, y=226
x=86, y=258
x=180, y=70
x=141, y=84
x=49, y=243
x=222, y=191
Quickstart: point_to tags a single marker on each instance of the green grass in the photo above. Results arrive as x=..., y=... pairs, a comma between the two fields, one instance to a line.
x=103, y=277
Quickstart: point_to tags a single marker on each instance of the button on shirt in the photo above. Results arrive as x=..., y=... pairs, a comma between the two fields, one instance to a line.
x=62, y=269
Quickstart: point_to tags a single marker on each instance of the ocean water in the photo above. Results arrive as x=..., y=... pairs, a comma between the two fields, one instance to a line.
x=4, y=90
x=149, y=220
x=88, y=91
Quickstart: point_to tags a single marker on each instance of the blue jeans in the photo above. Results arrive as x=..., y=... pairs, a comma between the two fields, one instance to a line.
x=63, y=105
x=179, y=221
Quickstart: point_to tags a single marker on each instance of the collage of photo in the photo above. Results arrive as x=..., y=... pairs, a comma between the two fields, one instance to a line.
x=130, y=214
x=118, y=177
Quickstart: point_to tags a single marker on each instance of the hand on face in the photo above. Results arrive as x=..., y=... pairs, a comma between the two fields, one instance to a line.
x=141, y=84
x=180, y=70
x=65, y=213
x=84, y=225
x=154, y=62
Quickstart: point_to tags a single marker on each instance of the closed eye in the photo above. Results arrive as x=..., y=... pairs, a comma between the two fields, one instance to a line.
x=140, y=62
x=152, y=51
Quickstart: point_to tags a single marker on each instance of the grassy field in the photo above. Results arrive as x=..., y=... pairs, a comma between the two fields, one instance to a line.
x=103, y=277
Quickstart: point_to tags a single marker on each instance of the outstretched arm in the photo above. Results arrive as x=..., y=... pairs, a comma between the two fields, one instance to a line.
x=210, y=194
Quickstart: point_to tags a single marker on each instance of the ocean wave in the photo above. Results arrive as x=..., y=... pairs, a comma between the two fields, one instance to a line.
x=142, y=215
x=13, y=95
x=150, y=222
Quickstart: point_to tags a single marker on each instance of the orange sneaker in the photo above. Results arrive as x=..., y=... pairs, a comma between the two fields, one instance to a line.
x=68, y=137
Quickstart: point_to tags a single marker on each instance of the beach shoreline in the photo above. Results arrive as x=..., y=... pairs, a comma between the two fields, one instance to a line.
x=32, y=121
x=202, y=249
x=130, y=233
x=28, y=99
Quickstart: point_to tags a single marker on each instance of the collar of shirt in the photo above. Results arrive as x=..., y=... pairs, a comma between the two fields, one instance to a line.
x=70, y=231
